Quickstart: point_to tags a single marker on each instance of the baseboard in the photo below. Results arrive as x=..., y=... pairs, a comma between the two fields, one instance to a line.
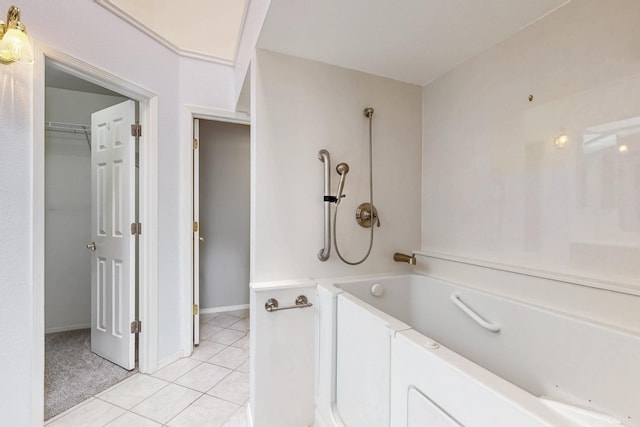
x=223, y=309
x=67, y=328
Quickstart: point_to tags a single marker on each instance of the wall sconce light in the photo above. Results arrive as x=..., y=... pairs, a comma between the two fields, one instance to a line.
x=561, y=140
x=14, y=44
x=622, y=148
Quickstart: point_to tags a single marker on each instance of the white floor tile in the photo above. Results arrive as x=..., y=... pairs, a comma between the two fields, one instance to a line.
x=177, y=369
x=241, y=325
x=244, y=367
x=230, y=357
x=132, y=391
x=153, y=401
x=203, y=377
x=166, y=403
x=239, y=419
x=206, y=349
x=206, y=411
x=207, y=330
x=204, y=318
x=244, y=312
x=242, y=342
x=227, y=336
x=130, y=419
x=223, y=321
x=94, y=413
x=234, y=388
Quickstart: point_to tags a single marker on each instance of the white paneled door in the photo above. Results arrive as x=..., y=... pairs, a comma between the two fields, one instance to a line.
x=113, y=243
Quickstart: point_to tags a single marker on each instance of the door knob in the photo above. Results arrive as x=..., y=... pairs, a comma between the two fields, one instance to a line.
x=92, y=246
x=201, y=239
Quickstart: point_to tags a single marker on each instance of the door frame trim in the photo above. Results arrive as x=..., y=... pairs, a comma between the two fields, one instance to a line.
x=190, y=113
x=148, y=213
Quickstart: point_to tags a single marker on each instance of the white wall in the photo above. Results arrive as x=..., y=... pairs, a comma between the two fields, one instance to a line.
x=68, y=209
x=224, y=214
x=282, y=357
x=303, y=106
x=495, y=188
x=16, y=306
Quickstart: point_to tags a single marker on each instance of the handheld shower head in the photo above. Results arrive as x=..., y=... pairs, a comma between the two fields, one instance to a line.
x=342, y=170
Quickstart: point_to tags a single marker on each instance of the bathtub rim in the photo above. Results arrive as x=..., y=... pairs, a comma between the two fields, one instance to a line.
x=509, y=392
x=333, y=285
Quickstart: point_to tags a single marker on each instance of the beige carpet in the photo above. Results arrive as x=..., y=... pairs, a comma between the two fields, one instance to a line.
x=73, y=373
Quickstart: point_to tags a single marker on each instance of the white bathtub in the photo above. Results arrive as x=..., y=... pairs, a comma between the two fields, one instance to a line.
x=413, y=357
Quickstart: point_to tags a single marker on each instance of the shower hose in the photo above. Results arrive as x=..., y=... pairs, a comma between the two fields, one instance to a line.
x=335, y=212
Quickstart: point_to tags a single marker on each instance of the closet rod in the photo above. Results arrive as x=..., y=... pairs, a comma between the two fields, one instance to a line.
x=67, y=127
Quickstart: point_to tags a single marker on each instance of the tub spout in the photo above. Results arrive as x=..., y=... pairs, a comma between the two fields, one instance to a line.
x=398, y=257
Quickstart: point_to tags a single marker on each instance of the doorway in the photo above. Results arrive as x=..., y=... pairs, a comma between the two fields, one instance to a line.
x=221, y=207
x=73, y=372
x=147, y=242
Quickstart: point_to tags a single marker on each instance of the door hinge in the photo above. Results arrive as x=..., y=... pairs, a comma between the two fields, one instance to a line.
x=136, y=327
x=136, y=228
x=195, y=144
x=136, y=130
x=195, y=226
x=195, y=309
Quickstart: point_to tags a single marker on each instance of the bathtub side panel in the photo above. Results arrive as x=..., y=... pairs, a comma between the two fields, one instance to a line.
x=363, y=362
x=462, y=391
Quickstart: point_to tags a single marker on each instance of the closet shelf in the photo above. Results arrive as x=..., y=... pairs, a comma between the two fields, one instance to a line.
x=67, y=128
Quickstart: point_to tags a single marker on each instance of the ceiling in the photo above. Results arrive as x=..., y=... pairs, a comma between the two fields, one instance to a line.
x=205, y=29
x=414, y=41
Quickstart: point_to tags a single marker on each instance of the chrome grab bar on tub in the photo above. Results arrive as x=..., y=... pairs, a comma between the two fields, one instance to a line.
x=475, y=316
x=323, y=155
x=272, y=304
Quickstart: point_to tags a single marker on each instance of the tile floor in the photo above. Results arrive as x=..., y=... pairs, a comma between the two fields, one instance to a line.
x=210, y=388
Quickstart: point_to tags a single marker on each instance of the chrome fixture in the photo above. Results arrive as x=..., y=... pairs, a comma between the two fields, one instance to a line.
x=366, y=214
x=92, y=246
x=342, y=169
x=14, y=43
x=400, y=257
x=324, y=157
x=272, y=304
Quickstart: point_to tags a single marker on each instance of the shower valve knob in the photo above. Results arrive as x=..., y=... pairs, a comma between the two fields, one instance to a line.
x=365, y=214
